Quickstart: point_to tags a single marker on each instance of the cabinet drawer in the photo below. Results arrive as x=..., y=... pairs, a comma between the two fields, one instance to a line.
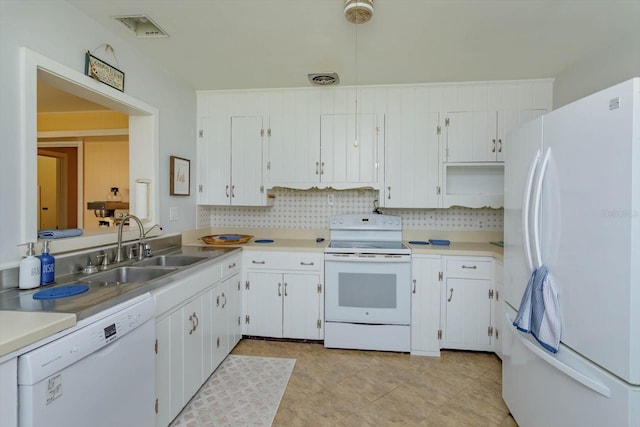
x=231, y=266
x=470, y=266
x=297, y=261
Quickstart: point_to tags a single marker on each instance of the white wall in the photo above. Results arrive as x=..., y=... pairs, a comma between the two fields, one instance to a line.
x=599, y=70
x=57, y=30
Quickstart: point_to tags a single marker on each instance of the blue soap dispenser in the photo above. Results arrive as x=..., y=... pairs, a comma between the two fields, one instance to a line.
x=48, y=265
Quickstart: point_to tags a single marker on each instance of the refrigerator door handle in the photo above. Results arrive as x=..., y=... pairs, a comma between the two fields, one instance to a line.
x=525, y=209
x=594, y=385
x=536, y=209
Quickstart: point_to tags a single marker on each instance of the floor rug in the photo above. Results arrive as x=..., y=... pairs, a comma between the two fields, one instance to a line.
x=243, y=391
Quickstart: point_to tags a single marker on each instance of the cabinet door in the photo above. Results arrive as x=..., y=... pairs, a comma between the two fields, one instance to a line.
x=246, y=162
x=234, y=309
x=220, y=333
x=294, y=142
x=471, y=136
x=466, y=311
x=425, y=306
x=497, y=311
x=9, y=393
x=192, y=328
x=511, y=120
x=263, y=295
x=301, y=308
x=214, y=160
x=411, y=161
x=348, y=149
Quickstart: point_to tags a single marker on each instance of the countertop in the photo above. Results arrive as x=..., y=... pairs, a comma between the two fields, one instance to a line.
x=459, y=249
x=310, y=245
x=288, y=245
x=21, y=328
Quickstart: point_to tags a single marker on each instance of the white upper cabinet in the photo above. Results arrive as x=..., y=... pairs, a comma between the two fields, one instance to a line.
x=423, y=146
x=412, y=144
x=479, y=117
x=320, y=137
x=231, y=136
x=294, y=140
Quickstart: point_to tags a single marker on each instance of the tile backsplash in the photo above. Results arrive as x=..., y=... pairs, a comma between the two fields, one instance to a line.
x=310, y=209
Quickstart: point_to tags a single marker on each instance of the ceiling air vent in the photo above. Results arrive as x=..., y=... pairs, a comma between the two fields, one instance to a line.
x=324, y=79
x=142, y=26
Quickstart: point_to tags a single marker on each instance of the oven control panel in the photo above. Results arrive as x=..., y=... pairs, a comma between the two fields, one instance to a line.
x=365, y=222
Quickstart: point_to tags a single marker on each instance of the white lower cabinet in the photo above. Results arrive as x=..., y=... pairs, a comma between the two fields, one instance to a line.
x=283, y=295
x=9, y=392
x=193, y=333
x=425, y=305
x=498, y=309
x=466, y=303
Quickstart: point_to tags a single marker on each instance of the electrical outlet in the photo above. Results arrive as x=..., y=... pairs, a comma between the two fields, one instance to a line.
x=174, y=214
x=331, y=199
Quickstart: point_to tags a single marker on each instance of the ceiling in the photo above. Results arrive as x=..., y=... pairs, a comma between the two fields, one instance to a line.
x=230, y=44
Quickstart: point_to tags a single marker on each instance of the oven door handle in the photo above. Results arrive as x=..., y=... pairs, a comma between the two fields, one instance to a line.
x=367, y=258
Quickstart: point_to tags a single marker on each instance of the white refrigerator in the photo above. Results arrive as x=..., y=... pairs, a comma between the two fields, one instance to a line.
x=572, y=203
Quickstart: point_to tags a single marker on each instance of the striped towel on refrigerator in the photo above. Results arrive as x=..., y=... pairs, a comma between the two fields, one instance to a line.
x=539, y=312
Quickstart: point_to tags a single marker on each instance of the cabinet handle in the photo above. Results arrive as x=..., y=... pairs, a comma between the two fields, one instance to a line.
x=499, y=146
x=306, y=263
x=450, y=295
x=233, y=191
x=322, y=168
x=225, y=300
x=226, y=190
x=494, y=146
x=389, y=193
x=197, y=321
x=257, y=262
x=471, y=267
x=414, y=286
x=218, y=342
x=285, y=289
x=317, y=168
x=218, y=301
x=232, y=265
x=279, y=286
x=193, y=319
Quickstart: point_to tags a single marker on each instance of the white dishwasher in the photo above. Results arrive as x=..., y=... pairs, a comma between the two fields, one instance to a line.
x=100, y=375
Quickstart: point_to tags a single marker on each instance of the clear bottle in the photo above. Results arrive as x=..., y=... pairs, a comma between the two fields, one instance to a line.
x=29, y=270
x=47, y=265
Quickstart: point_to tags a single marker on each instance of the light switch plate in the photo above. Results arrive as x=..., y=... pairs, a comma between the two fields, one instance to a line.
x=174, y=214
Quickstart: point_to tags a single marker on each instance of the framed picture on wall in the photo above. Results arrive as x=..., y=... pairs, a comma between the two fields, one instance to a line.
x=179, y=174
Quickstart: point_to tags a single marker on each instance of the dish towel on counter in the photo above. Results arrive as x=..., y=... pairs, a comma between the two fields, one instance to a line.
x=52, y=233
x=539, y=312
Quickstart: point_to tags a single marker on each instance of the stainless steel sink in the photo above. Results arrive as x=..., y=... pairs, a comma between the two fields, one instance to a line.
x=130, y=274
x=172, y=260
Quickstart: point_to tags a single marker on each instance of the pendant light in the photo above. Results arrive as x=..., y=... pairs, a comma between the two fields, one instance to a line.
x=357, y=12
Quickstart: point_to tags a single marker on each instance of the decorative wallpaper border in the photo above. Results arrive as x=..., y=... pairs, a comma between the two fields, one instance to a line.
x=310, y=209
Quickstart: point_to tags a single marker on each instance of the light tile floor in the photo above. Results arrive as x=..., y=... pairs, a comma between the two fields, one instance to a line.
x=332, y=387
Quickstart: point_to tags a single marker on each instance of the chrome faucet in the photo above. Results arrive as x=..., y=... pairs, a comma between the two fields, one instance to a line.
x=119, y=257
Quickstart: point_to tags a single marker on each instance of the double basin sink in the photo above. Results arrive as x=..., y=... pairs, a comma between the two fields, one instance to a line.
x=145, y=270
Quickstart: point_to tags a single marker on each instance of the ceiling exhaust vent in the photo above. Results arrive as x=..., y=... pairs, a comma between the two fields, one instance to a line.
x=142, y=26
x=324, y=79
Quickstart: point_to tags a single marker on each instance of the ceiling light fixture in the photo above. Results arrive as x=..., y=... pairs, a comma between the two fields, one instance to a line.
x=357, y=12
x=142, y=26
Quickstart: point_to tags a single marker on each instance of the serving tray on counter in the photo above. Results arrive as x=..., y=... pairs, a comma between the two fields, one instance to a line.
x=226, y=239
